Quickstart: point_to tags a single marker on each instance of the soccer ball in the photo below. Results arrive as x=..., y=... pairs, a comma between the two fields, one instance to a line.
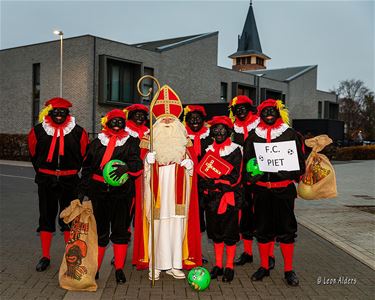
x=199, y=279
x=108, y=168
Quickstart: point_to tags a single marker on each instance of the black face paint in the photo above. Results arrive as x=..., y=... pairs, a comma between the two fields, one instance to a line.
x=241, y=111
x=59, y=115
x=138, y=117
x=220, y=133
x=195, y=121
x=269, y=115
x=116, y=124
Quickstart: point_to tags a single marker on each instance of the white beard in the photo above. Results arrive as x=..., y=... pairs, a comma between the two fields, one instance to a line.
x=169, y=142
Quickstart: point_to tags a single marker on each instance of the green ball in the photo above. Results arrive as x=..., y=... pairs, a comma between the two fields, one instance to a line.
x=199, y=279
x=252, y=167
x=108, y=168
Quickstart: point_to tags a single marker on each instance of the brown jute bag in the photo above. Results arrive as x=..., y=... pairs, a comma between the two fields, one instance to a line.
x=80, y=260
x=319, y=180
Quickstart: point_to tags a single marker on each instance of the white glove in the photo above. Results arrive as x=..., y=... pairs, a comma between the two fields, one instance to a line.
x=150, y=157
x=187, y=163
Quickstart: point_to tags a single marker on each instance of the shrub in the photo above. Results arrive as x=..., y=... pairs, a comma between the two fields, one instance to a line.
x=14, y=147
x=355, y=153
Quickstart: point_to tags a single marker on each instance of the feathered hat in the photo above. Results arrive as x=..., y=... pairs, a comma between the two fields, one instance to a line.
x=221, y=120
x=194, y=108
x=56, y=102
x=115, y=113
x=284, y=113
x=240, y=99
x=135, y=107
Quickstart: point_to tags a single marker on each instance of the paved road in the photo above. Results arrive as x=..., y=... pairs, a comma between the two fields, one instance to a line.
x=315, y=260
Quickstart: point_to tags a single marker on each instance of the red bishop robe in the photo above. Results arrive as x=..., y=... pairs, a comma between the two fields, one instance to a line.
x=192, y=250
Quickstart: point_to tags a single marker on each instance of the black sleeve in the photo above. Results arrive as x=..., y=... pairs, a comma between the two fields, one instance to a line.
x=235, y=159
x=133, y=159
x=87, y=170
x=248, y=153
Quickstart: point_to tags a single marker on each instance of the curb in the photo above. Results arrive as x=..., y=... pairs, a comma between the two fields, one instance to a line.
x=362, y=255
x=16, y=163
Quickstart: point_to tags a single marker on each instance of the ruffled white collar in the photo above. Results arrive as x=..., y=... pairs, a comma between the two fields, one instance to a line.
x=275, y=132
x=104, y=139
x=250, y=126
x=226, y=150
x=202, y=136
x=134, y=133
x=50, y=130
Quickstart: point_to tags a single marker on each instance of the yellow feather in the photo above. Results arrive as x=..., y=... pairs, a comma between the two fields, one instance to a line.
x=104, y=121
x=186, y=111
x=44, y=112
x=284, y=113
x=126, y=113
x=232, y=103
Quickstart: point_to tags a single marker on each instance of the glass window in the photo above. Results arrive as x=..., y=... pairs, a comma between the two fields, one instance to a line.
x=224, y=92
x=248, y=60
x=319, y=109
x=120, y=81
x=260, y=61
x=238, y=61
x=147, y=84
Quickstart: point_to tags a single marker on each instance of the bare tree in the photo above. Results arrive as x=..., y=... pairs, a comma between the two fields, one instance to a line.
x=356, y=108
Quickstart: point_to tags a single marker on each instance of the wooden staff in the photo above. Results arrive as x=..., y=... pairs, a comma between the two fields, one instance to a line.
x=151, y=170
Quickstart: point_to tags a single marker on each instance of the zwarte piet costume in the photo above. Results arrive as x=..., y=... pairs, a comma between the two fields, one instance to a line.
x=222, y=194
x=199, y=133
x=275, y=192
x=243, y=112
x=57, y=147
x=112, y=204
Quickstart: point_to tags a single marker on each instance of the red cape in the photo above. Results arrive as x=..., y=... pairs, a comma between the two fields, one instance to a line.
x=140, y=256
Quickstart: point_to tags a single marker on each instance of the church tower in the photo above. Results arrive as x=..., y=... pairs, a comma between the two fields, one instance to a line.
x=249, y=55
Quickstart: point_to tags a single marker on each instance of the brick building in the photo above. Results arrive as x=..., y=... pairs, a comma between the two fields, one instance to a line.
x=100, y=74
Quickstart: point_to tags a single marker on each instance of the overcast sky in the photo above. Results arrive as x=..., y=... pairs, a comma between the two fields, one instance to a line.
x=338, y=36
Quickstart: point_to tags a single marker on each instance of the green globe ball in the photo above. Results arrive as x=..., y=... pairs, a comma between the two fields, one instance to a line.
x=108, y=168
x=252, y=167
x=199, y=279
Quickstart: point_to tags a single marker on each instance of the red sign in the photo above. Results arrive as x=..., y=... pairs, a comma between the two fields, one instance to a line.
x=213, y=167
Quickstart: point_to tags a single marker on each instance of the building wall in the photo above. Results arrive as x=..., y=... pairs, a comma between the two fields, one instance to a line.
x=302, y=102
x=16, y=80
x=323, y=97
x=118, y=50
x=191, y=71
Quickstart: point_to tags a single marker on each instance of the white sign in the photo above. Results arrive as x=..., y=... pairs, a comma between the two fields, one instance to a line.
x=274, y=157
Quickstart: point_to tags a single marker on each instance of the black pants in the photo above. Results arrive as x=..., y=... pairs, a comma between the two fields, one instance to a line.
x=112, y=213
x=55, y=194
x=274, y=214
x=223, y=227
x=247, y=222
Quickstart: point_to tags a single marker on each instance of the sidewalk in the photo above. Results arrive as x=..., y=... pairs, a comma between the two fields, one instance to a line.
x=325, y=271
x=337, y=220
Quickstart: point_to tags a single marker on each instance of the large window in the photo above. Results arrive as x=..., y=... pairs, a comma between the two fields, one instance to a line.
x=243, y=89
x=147, y=84
x=260, y=61
x=271, y=94
x=224, y=92
x=320, y=106
x=36, y=92
x=118, y=79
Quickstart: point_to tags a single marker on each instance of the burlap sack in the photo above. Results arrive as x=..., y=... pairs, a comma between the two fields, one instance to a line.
x=319, y=181
x=80, y=260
